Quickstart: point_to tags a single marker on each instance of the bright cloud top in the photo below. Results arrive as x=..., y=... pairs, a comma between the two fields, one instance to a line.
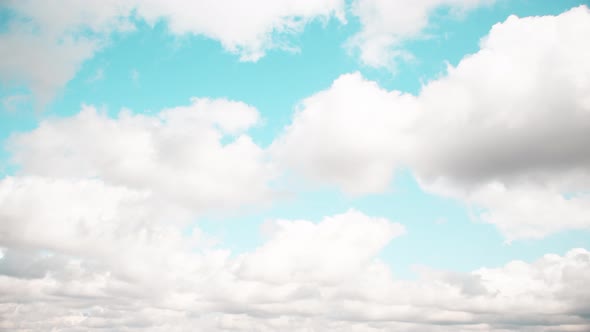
x=499, y=130
x=184, y=155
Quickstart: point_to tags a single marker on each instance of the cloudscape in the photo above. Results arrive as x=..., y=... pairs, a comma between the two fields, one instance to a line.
x=295, y=165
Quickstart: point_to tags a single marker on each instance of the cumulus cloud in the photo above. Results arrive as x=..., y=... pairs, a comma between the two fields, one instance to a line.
x=504, y=130
x=307, y=276
x=185, y=155
x=508, y=126
x=347, y=135
x=523, y=98
x=45, y=43
x=386, y=24
x=334, y=249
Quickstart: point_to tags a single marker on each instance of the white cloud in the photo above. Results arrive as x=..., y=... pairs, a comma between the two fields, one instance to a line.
x=176, y=154
x=130, y=270
x=247, y=28
x=505, y=130
x=83, y=217
x=47, y=42
x=347, y=135
x=521, y=210
x=334, y=249
x=386, y=24
x=523, y=99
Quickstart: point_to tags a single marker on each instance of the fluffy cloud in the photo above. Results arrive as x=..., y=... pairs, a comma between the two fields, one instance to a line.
x=79, y=216
x=307, y=276
x=44, y=44
x=505, y=130
x=524, y=210
x=509, y=124
x=347, y=135
x=334, y=249
x=177, y=154
x=386, y=24
x=523, y=99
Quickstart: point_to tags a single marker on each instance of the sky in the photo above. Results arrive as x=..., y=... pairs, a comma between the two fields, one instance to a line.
x=295, y=165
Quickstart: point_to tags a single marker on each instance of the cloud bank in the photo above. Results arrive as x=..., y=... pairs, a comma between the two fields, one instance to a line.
x=324, y=275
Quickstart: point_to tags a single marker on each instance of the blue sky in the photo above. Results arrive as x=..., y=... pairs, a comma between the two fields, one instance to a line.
x=361, y=116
